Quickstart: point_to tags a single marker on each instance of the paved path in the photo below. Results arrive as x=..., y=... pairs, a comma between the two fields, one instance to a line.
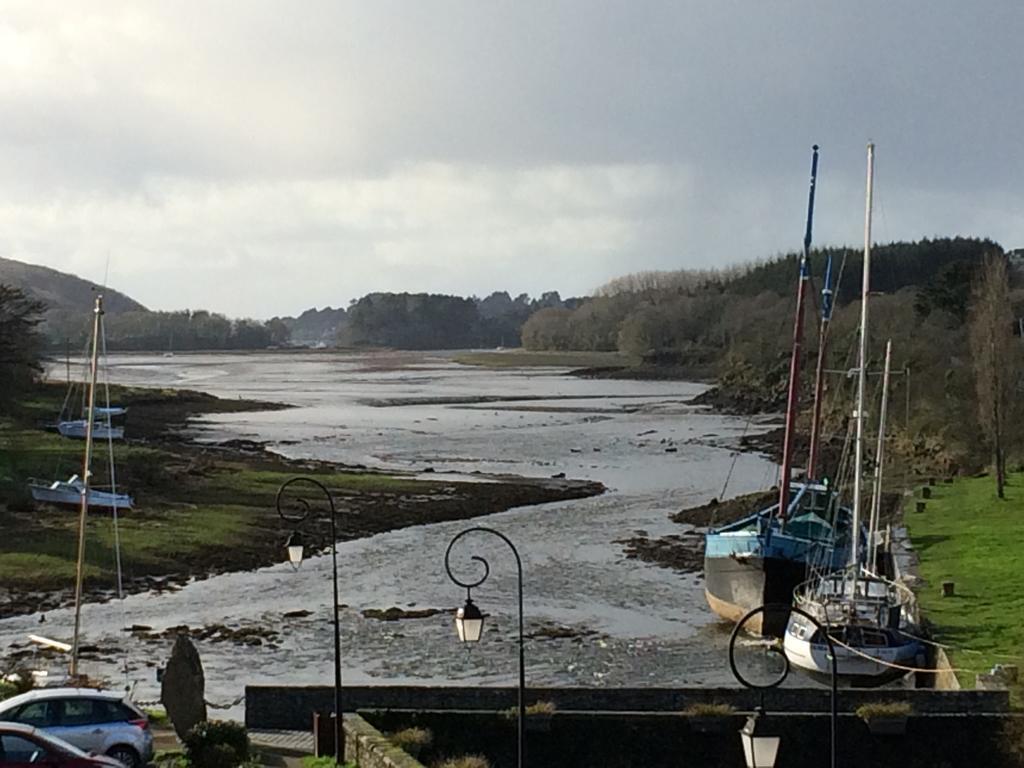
x=295, y=743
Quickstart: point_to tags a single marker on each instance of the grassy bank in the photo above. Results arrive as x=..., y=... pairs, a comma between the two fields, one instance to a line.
x=969, y=536
x=199, y=509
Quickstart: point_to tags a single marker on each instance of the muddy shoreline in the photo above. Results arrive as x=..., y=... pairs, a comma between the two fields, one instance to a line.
x=175, y=479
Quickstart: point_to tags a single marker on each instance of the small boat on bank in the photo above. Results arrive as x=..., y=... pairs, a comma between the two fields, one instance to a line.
x=69, y=493
x=79, y=490
x=77, y=428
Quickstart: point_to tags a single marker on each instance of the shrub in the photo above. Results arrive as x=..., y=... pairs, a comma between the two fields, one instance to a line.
x=18, y=681
x=537, y=709
x=412, y=740
x=709, y=709
x=876, y=709
x=466, y=761
x=217, y=744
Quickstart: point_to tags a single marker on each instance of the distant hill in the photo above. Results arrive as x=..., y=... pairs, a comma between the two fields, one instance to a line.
x=68, y=298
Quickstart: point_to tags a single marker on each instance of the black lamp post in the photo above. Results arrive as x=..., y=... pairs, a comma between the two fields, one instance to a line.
x=469, y=620
x=295, y=547
x=760, y=739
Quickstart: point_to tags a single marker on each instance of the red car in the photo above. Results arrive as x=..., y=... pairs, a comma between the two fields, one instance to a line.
x=22, y=746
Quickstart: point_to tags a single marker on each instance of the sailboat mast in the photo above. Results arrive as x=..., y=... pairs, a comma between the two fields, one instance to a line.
x=86, y=463
x=819, y=371
x=862, y=358
x=794, y=362
x=876, y=495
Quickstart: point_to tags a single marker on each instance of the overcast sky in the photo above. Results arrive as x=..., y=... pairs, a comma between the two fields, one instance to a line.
x=259, y=158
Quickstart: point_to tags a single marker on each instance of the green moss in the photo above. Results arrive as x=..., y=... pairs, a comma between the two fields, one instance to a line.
x=968, y=536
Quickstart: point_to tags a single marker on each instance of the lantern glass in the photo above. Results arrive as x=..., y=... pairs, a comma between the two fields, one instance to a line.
x=760, y=742
x=469, y=623
x=295, y=549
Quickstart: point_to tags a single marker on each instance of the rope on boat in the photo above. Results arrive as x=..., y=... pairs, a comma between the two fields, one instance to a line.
x=113, y=503
x=891, y=665
x=735, y=457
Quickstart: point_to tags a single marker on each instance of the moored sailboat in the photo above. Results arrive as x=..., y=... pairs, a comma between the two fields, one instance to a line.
x=80, y=489
x=760, y=559
x=870, y=619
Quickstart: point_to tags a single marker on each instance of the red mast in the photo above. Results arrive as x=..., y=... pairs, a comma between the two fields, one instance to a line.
x=794, y=362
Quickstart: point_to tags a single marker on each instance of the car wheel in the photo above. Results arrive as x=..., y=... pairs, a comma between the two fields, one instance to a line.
x=127, y=756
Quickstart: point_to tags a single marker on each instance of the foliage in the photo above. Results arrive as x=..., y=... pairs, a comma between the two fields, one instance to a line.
x=466, y=761
x=995, y=359
x=20, y=343
x=1012, y=736
x=435, y=321
x=157, y=716
x=968, y=536
x=185, y=330
x=217, y=744
x=323, y=762
x=412, y=740
x=878, y=709
x=7, y=689
x=537, y=709
x=709, y=709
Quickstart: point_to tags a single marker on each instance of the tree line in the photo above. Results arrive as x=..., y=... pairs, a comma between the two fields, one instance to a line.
x=438, y=321
x=949, y=305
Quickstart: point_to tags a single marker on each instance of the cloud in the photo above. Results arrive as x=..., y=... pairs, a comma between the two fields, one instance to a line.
x=261, y=161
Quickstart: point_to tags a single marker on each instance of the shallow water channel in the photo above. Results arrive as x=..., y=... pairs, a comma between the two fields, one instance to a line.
x=635, y=624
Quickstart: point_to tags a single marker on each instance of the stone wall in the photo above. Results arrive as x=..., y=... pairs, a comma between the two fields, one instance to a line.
x=292, y=707
x=366, y=747
x=652, y=740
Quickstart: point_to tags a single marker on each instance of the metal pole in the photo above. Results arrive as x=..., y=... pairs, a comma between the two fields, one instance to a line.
x=762, y=687
x=876, y=493
x=862, y=363
x=521, y=747
x=86, y=464
x=793, y=394
x=339, y=730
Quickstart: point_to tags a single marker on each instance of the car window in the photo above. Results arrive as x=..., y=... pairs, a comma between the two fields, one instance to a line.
x=77, y=711
x=106, y=711
x=17, y=749
x=41, y=714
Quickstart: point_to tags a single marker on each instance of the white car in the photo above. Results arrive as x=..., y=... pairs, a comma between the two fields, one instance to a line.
x=101, y=722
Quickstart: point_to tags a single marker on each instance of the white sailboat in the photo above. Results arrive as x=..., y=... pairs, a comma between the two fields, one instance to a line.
x=868, y=617
x=79, y=489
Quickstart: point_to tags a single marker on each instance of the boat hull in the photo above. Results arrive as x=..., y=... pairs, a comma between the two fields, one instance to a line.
x=78, y=429
x=73, y=498
x=736, y=584
x=853, y=668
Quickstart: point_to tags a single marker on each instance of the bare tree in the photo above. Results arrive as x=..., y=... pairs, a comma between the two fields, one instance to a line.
x=990, y=330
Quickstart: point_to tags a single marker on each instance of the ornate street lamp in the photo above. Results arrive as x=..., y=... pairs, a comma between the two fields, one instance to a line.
x=469, y=621
x=295, y=548
x=760, y=740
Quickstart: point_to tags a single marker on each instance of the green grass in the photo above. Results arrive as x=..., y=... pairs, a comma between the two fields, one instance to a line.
x=323, y=762
x=969, y=536
x=519, y=358
x=191, y=508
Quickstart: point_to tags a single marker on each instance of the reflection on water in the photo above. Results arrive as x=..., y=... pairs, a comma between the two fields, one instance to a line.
x=639, y=624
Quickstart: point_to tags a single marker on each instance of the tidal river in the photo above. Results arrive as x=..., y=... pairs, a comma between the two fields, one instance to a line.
x=628, y=623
